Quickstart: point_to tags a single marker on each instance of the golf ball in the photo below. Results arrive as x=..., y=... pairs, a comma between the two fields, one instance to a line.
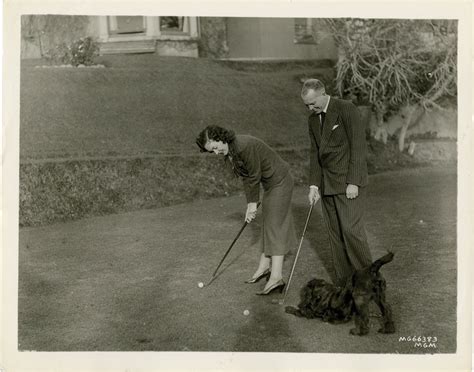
x=200, y=284
x=421, y=221
x=246, y=312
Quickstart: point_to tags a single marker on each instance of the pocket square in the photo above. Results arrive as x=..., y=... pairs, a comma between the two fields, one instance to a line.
x=334, y=127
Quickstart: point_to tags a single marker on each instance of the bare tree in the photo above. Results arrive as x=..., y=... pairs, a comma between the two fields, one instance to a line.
x=395, y=66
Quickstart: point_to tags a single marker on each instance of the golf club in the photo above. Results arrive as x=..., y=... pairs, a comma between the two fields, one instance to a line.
x=228, y=250
x=282, y=300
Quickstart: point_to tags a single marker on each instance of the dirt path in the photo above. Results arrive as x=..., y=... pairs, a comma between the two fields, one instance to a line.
x=128, y=282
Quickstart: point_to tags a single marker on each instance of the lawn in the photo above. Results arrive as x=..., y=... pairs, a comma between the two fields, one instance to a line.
x=128, y=282
x=157, y=105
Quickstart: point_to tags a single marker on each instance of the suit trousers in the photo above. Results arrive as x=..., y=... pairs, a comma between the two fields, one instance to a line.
x=347, y=236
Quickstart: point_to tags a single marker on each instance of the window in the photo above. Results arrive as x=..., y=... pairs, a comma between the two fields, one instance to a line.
x=174, y=25
x=124, y=25
x=132, y=28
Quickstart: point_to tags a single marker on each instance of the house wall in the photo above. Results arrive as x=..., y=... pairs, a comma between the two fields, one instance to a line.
x=272, y=38
x=246, y=38
x=441, y=122
x=42, y=33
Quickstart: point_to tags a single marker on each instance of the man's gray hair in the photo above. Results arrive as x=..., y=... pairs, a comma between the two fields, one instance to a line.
x=312, y=84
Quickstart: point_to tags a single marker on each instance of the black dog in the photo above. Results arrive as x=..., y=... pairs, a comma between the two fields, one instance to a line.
x=320, y=299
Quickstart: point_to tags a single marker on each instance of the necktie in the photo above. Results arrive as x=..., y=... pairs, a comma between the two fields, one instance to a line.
x=322, y=117
x=321, y=120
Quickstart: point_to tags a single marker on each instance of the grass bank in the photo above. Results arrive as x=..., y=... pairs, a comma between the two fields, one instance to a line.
x=66, y=190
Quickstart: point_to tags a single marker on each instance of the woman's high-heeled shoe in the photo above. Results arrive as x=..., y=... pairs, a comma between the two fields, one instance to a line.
x=265, y=274
x=280, y=285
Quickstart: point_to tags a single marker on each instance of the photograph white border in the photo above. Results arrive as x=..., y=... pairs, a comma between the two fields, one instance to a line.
x=13, y=360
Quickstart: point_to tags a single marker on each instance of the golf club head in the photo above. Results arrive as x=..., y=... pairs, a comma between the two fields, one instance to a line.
x=211, y=280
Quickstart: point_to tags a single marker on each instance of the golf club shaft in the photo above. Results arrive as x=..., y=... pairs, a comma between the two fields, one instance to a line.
x=228, y=250
x=298, y=251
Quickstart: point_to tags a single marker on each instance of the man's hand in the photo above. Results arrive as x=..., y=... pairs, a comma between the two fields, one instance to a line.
x=313, y=195
x=251, y=212
x=352, y=191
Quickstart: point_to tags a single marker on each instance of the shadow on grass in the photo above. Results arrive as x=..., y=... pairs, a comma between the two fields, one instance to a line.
x=266, y=330
x=253, y=230
x=315, y=236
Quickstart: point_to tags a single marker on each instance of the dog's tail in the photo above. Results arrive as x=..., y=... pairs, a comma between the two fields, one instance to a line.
x=375, y=267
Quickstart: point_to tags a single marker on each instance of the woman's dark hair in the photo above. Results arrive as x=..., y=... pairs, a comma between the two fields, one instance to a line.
x=216, y=133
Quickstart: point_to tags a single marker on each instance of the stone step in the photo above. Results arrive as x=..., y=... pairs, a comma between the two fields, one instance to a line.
x=120, y=47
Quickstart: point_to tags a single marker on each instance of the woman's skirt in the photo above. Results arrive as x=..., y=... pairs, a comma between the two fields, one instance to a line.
x=278, y=231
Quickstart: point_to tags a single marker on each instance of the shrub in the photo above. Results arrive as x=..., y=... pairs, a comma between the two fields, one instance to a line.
x=79, y=52
x=69, y=190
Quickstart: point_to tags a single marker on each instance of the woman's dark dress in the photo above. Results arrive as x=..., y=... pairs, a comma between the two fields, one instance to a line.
x=267, y=168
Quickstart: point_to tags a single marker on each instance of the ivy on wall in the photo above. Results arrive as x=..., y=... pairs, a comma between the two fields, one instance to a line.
x=40, y=34
x=213, y=40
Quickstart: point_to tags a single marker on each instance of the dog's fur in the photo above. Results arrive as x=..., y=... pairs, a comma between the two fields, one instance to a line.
x=320, y=299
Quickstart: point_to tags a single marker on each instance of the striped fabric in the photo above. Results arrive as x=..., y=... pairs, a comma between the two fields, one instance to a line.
x=347, y=236
x=338, y=157
x=339, y=153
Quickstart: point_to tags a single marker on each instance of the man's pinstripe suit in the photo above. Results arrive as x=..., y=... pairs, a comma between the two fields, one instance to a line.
x=338, y=157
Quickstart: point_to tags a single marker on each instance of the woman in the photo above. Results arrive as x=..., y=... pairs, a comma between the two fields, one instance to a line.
x=256, y=163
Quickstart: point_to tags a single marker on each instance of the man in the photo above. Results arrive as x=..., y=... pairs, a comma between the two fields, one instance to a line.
x=338, y=175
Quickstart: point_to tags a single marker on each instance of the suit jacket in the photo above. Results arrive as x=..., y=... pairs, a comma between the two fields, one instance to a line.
x=338, y=153
x=263, y=164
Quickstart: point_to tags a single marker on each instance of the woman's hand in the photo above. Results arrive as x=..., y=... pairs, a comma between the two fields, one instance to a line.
x=251, y=212
x=313, y=195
